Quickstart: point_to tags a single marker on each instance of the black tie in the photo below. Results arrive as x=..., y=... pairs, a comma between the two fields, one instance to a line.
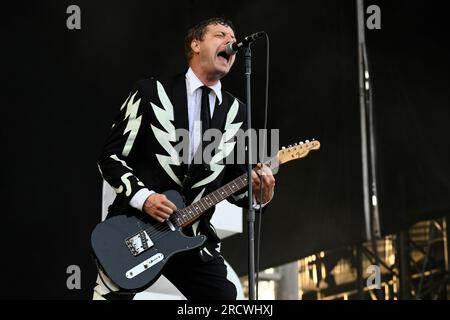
x=205, y=114
x=205, y=118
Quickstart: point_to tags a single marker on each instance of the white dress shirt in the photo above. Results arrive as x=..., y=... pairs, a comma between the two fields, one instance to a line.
x=194, y=96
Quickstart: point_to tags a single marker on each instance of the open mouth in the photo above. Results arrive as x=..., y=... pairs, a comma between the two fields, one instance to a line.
x=224, y=55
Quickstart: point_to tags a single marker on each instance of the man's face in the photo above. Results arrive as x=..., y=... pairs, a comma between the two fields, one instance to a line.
x=210, y=52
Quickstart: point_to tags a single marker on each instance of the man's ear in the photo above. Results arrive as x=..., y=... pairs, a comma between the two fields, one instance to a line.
x=195, y=46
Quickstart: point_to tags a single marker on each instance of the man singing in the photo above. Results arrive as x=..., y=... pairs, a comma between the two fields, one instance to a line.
x=139, y=159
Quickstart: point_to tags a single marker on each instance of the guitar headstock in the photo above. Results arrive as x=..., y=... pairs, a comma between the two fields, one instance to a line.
x=297, y=151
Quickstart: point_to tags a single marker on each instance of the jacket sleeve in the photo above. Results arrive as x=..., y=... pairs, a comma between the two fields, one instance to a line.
x=114, y=158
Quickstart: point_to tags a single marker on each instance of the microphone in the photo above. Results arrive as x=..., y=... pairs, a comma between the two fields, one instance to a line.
x=234, y=47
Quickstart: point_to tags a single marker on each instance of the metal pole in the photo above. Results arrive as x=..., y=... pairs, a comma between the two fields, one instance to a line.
x=368, y=139
x=363, y=117
x=287, y=286
x=359, y=272
x=372, y=141
x=403, y=265
x=251, y=211
x=368, y=146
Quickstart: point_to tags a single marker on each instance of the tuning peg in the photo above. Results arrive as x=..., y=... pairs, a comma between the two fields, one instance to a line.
x=307, y=141
x=289, y=145
x=313, y=139
x=295, y=144
x=301, y=142
x=282, y=148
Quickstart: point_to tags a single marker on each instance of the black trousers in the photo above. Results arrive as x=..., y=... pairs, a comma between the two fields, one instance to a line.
x=196, y=279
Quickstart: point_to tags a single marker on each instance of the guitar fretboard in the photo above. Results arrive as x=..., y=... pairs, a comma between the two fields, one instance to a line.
x=190, y=213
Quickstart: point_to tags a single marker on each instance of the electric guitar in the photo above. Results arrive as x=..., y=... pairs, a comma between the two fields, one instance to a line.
x=133, y=249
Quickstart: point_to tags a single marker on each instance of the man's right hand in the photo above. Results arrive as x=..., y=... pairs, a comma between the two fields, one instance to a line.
x=159, y=207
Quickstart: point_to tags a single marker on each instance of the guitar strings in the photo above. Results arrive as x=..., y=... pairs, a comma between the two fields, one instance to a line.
x=156, y=231
x=163, y=226
x=159, y=230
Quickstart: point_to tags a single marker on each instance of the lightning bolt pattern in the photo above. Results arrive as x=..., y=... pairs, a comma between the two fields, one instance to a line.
x=133, y=123
x=114, y=157
x=165, y=118
x=126, y=183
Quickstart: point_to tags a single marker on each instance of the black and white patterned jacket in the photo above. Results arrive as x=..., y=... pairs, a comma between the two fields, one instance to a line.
x=139, y=151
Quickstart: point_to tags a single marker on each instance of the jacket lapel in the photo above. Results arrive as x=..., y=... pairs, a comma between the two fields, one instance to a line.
x=178, y=97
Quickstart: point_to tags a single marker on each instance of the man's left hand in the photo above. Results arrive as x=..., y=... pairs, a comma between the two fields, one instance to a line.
x=264, y=174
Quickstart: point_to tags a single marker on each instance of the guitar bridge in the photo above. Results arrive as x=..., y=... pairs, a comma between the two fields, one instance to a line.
x=139, y=243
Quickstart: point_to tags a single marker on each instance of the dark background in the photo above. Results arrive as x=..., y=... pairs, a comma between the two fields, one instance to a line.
x=410, y=68
x=62, y=88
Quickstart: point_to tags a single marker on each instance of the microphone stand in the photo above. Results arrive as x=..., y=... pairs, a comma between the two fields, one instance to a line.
x=251, y=211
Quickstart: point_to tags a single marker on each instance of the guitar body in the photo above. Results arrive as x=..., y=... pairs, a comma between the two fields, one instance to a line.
x=132, y=250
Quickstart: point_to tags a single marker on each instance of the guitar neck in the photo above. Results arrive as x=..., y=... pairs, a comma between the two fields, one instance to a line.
x=190, y=213
x=187, y=215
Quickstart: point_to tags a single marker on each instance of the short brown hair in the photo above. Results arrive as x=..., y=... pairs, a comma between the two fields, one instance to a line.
x=198, y=31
